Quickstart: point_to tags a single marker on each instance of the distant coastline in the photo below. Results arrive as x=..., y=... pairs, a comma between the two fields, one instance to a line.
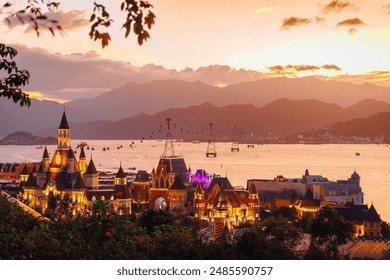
x=26, y=138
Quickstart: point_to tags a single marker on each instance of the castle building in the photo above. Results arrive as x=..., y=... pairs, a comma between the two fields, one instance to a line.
x=170, y=179
x=64, y=175
x=224, y=206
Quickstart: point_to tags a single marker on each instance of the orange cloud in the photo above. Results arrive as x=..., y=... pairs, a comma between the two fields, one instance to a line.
x=331, y=67
x=350, y=22
x=294, y=21
x=381, y=78
x=292, y=70
x=352, y=30
x=336, y=6
x=319, y=19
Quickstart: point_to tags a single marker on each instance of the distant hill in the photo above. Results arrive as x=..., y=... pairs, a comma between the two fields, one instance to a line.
x=279, y=118
x=25, y=138
x=376, y=125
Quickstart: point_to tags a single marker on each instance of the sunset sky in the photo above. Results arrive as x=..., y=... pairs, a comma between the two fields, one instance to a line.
x=347, y=39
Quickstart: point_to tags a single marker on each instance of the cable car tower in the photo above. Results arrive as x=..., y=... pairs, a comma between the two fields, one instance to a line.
x=235, y=147
x=211, y=152
x=168, y=147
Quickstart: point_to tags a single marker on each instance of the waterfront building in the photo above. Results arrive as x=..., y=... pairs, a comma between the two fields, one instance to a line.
x=339, y=192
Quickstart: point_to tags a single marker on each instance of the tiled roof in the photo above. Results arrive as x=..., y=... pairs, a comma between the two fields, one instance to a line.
x=142, y=176
x=372, y=215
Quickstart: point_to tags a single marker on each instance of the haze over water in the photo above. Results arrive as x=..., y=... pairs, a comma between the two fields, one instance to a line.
x=335, y=162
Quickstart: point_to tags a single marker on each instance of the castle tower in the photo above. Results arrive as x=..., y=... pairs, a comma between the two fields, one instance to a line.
x=211, y=152
x=254, y=202
x=71, y=161
x=82, y=161
x=199, y=202
x=91, y=177
x=63, y=134
x=24, y=174
x=168, y=147
x=41, y=175
x=177, y=194
x=221, y=214
x=45, y=161
x=120, y=177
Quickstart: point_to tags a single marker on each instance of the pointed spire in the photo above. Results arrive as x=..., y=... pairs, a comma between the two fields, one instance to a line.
x=45, y=153
x=24, y=170
x=121, y=173
x=64, y=122
x=91, y=168
x=70, y=154
x=40, y=170
x=82, y=153
x=252, y=189
x=199, y=189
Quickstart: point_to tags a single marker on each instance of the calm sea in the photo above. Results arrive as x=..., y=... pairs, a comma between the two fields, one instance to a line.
x=261, y=162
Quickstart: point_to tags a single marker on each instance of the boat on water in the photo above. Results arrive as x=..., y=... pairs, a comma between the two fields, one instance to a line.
x=357, y=154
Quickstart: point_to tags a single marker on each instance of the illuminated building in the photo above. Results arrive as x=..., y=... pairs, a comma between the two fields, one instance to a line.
x=224, y=206
x=65, y=175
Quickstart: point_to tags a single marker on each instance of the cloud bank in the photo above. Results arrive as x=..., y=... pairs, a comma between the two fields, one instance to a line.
x=85, y=75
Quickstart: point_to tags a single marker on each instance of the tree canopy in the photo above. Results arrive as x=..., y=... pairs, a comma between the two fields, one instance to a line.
x=34, y=13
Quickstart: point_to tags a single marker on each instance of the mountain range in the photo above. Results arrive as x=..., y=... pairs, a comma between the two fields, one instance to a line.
x=279, y=118
x=277, y=105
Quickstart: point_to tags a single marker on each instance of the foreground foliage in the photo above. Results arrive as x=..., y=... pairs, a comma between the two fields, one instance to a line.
x=99, y=233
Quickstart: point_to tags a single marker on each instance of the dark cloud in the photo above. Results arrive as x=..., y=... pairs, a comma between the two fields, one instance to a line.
x=331, y=67
x=350, y=22
x=85, y=75
x=336, y=6
x=294, y=21
x=71, y=20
